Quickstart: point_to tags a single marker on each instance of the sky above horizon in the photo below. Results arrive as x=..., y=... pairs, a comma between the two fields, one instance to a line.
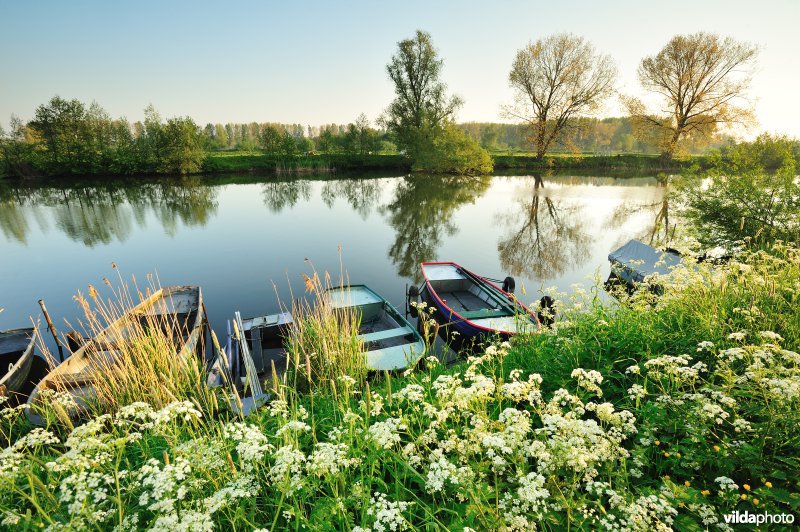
x=324, y=62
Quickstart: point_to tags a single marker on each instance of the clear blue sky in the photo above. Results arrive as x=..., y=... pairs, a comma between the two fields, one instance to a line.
x=321, y=62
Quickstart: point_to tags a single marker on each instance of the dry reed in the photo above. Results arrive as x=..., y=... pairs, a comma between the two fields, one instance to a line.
x=136, y=355
x=323, y=345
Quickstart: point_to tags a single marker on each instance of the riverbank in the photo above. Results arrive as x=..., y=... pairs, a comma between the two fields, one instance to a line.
x=225, y=162
x=218, y=162
x=636, y=416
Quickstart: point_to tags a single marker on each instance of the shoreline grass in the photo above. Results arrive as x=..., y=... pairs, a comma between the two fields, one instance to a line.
x=258, y=163
x=645, y=415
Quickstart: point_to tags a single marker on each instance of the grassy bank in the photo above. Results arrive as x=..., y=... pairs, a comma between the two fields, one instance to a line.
x=255, y=162
x=632, y=162
x=224, y=162
x=647, y=415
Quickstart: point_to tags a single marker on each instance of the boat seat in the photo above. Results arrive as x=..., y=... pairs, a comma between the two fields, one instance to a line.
x=389, y=333
x=486, y=313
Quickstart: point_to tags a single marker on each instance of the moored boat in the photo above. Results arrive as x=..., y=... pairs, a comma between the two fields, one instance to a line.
x=391, y=342
x=16, y=357
x=636, y=262
x=472, y=305
x=175, y=310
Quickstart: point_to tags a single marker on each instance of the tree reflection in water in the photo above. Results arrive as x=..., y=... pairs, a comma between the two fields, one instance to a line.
x=421, y=213
x=659, y=230
x=101, y=214
x=361, y=194
x=544, y=237
x=278, y=195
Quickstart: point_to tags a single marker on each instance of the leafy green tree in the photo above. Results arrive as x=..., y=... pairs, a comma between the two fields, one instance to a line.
x=751, y=191
x=287, y=146
x=421, y=104
x=182, y=149
x=326, y=141
x=221, y=136
x=63, y=130
x=270, y=140
x=421, y=117
x=16, y=154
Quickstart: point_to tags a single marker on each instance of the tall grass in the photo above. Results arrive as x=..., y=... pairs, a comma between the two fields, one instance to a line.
x=134, y=355
x=324, y=345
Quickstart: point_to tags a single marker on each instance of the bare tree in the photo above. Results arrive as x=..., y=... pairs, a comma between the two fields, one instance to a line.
x=556, y=79
x=700, y=79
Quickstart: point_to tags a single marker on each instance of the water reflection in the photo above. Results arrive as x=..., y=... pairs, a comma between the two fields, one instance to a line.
x=96, y=215
x=361, y=194
x=658, y=227
x=421, y=213
x=278, y=195
x=543, y=236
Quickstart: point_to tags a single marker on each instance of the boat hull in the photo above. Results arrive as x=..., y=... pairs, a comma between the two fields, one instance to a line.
x=16, y=376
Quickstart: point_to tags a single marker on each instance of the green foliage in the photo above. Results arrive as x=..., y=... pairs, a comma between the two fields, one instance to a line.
x=751, y=191
x=68, y=138
x=420, y=118
x=421, y=105
x=451, y=151
x=181, y=150
x=649, y=415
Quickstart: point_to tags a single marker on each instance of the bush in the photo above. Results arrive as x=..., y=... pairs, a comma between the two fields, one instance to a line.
x=751, y=191
x=450, y=150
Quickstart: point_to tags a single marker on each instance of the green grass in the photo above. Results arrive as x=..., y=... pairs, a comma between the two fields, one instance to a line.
x=228, y=161
x=233, y=161
x=649, y=414
x=640, y=162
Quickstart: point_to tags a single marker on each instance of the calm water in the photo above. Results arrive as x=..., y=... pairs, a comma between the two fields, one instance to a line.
x=246, y=239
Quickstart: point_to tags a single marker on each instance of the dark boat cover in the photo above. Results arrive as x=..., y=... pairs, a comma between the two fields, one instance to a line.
x=635, y=260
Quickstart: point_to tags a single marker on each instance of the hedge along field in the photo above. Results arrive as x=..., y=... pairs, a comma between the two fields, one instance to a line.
x=651, y=414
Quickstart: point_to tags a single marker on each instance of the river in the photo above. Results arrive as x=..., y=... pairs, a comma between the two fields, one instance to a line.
x=249, y=240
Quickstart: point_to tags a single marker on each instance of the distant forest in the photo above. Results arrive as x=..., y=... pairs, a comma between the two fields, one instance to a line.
x=584, y=135
x=67, y=137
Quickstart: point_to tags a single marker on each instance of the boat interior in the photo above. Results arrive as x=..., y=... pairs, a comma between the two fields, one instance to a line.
x=380, y=326
x=465, y=296
x=265, y=338
x=12, y=345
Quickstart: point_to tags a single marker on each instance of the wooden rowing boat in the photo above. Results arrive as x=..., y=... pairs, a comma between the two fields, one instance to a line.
x=16, y=357
x=472, y=305
x=176, y=310
x=391, y=342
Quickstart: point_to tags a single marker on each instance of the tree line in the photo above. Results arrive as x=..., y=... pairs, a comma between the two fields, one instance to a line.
x=68, y=137
x=611, y=135
x=699, y=82
x=560, y=82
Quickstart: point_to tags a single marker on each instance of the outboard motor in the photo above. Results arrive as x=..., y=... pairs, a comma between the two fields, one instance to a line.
x=547, y=311
x=412, y=295
x=509, y=285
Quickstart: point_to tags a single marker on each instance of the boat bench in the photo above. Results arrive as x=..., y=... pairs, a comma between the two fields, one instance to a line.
x=388, y=333
x=485, y=313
